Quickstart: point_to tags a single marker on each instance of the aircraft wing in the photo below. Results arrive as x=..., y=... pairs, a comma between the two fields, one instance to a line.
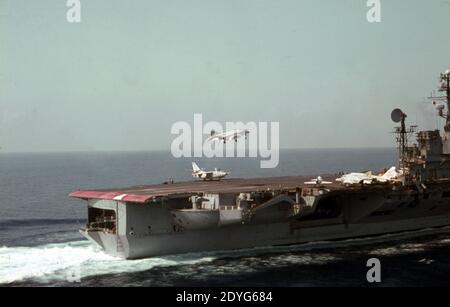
x=315, y=182
x=228, y=135
x=215, y=138
x=233, y=137
x=354, y=178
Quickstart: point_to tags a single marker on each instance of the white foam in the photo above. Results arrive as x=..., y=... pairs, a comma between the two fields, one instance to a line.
x=57, y=261
x=60, y=261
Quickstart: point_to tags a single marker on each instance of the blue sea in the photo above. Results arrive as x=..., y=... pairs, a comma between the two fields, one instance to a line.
x=40, y=244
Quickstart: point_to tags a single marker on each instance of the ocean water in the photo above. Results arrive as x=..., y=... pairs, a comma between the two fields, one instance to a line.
x=40, y=244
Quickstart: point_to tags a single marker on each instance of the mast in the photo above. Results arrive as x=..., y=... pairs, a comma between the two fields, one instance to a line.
x=445, y=87
x=444, y=100
x=402, y=135
x=443, y=103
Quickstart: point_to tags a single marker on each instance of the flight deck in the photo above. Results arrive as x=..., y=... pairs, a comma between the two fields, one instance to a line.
x=147, y=193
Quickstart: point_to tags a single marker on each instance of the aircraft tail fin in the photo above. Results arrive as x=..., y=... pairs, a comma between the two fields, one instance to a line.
x=195, y=167
x=391, y=173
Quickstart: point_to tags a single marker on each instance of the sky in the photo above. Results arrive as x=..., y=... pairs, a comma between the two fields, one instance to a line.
x=120, y=78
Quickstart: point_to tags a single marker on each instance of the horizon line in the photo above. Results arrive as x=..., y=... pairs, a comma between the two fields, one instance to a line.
x=168, y=150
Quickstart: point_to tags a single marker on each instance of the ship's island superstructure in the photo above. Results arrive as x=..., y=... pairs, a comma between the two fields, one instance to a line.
x=171, y=218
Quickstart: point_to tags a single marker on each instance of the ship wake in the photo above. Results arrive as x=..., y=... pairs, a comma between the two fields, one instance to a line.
x=73, y=261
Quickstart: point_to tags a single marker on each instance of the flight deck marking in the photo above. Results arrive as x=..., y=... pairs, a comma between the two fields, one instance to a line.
x=120, y=197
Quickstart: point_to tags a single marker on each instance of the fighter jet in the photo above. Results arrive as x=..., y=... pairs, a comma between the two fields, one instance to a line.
x=369, y=178
x=199, y=173
x=318, y=181
x=228, y=135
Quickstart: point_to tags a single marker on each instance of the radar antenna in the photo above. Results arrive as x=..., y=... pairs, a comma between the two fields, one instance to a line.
x=402, y=135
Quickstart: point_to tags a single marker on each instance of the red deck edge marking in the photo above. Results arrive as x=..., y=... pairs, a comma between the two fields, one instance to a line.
x=110, y=196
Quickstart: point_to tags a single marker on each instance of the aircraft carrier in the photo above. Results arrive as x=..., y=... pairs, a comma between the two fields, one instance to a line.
x=172, y=218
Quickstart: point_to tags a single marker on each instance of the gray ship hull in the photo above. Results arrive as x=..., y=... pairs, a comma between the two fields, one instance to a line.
x=248, y=237
x=134, y=241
